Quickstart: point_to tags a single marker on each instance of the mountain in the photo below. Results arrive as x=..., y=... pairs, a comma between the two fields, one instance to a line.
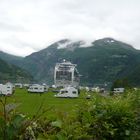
x=9, y=72
x=10, y=58
x=134, y=76
x=41, y=64
x=98, y=62
x=102, y=61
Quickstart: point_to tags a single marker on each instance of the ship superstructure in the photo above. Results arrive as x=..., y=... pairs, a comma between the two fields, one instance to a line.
x=66, y=74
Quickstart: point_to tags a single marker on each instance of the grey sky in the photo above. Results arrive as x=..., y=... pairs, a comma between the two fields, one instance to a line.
x=31, y=25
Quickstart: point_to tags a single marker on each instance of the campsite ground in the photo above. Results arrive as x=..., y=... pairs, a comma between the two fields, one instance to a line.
x=78, y=117
x=31, y=103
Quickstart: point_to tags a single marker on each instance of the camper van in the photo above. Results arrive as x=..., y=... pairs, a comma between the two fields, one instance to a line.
x=36, y=89
x=118, y=90
x=19, y=85
x=6, y=89
x=68, y=92
x=46, y=87
x=26, y=86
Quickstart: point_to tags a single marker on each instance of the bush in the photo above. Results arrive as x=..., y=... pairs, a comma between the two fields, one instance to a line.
x=109, y=117
x=100, y=118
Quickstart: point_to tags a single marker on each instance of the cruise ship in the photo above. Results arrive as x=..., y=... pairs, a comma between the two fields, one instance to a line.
x=66, y=74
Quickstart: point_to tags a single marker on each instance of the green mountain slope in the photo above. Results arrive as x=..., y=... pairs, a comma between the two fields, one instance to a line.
x=9, y=72
x=134, y=76
x=11, y=58
x=103, y=61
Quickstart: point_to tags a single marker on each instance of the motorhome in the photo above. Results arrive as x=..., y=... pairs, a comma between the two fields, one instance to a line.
x=6, y=89
x=19, y=85
x=68, y=92
x=46, y=87
x=26, y=85
x=118, y=90
x=66, y=74
x=36, y=88
x=95, y=89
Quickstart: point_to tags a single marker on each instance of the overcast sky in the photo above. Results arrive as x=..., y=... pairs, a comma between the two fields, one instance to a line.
x=31, y=25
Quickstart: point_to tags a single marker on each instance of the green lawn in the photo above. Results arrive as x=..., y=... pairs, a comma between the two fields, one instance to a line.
x=104, y=117
x=29, y=103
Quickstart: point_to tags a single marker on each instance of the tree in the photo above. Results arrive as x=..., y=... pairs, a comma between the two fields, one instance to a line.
x=123, y=83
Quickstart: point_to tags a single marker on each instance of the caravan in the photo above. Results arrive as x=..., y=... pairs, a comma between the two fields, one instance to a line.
x=46, y=87
x=68, y=92
x=19, y=85
x=118, y=90
x=36, y=89
x=6, y=89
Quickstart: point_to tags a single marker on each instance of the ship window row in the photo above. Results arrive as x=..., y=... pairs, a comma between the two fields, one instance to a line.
x=63, y=75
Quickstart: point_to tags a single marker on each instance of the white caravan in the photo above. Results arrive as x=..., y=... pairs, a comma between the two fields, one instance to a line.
x=95, y=89
x=118, y=90
x=68, y=92
x=6, y=89
x=19, y=85
x=26, y=85
x=36, y=89
x=46, y=87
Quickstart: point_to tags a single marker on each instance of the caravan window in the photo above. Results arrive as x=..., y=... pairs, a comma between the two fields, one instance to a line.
x=35, y=88
x=64, y=92
x=74, y=92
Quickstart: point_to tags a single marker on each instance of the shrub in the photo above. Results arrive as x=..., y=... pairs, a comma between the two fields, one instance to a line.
x=100, y=118
x=109, y=118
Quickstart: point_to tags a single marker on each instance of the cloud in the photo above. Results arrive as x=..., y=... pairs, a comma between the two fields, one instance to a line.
x=31, y=25
x=10, y=27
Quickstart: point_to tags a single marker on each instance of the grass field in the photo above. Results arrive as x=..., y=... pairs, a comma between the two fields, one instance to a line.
x=29, y=103
x=102, y=117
